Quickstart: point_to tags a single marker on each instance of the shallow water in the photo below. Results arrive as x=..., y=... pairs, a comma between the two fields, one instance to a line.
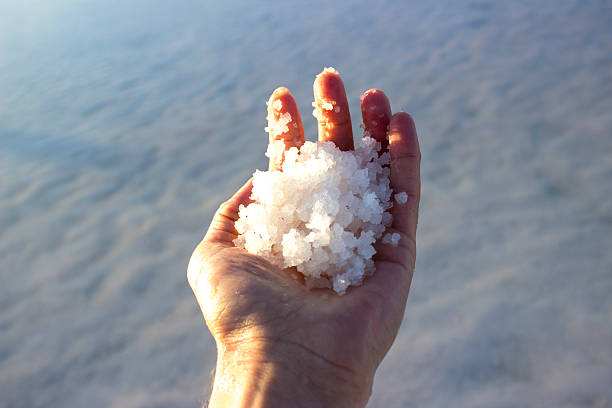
x=124, y=124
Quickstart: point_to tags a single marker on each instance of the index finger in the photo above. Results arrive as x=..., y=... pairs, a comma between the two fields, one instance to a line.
x=284, y=123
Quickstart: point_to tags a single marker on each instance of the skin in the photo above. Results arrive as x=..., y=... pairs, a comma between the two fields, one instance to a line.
x=280, y=344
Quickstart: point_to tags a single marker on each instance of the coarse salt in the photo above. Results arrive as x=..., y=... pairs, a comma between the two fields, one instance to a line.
x=322, y=213
x=401, y=197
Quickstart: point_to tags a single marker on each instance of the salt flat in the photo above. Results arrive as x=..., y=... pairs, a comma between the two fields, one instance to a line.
x=124, y=124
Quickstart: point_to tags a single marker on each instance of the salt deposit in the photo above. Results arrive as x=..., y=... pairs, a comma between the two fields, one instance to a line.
x=322, y=213
x=391, y=238
x=401, y=197
x=324, y=105
x=278, y=126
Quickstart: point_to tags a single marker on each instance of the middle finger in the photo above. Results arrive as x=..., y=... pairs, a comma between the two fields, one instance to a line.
x=332, y=110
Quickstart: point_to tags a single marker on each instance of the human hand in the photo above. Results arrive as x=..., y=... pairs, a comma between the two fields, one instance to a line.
x=278, y=342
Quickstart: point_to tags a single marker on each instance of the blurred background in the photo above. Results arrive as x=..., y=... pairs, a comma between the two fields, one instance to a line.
x=123, y=125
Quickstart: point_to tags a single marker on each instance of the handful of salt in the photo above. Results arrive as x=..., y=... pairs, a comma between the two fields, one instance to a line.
x=322, y=213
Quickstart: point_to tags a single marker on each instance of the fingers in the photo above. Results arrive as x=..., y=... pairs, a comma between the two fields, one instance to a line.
x=221, y=228
x=376, y=114
x=332, y=110
x=284, y=123
x=405, y=172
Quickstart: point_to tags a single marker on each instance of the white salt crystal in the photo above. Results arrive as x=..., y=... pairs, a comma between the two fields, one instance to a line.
x=392, y=239
x=327, y=105
x=277, y=105
x=401, y=197
x=329, y=69
x=278, y=127
x=322, y=213
x=295, y=248
x=316, y=111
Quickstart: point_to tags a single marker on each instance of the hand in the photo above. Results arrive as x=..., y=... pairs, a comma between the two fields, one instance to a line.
x=279, y=343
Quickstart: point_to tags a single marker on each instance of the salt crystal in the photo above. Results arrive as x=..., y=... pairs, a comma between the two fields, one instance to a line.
x=392, y=239
x=277, y=127
x=326, y=105
x=322, y=212
x=401, y=197
x=330, y=69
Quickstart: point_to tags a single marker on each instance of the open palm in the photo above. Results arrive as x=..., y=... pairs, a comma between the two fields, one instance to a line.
x=264, y=313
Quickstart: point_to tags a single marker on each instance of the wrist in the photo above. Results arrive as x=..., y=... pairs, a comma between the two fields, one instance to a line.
x=284, y=375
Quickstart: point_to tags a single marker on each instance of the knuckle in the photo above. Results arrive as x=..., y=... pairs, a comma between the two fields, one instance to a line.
x=224, y=208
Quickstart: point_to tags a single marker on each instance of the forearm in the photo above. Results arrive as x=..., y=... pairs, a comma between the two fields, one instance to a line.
x=259, y=379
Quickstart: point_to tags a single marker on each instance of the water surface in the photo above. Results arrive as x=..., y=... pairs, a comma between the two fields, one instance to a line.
x=124, y=124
